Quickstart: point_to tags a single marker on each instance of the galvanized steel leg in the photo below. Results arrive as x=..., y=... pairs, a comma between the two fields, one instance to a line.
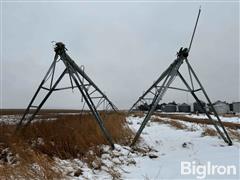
x=45, y=98
x=91, y=106
x=162, y=76
x=210, y=103
x=29, y=106
x=199, y=102
x=52, y=67
x=168, y=80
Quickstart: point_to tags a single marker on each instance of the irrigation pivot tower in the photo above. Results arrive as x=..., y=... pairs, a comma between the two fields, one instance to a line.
x=160, y=86
x=78, y=79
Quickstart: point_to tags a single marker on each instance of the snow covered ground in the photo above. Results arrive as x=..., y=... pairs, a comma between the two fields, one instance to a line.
x=14, y=119
x=159, y=154
x=161, y=150
x=10, y=119
x=169, y=144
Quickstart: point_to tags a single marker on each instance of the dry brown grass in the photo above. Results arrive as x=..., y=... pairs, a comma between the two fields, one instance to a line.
x=198, y=121
x=209, y=132
x=231, y=115
x=25, y=168
x=173, y=123
x=177, y=125
x=234, y=134
x=114, y=174
x=70, y=136
x=137, y=114
x=24, y=158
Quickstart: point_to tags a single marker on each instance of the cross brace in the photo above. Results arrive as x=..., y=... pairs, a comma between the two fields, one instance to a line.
x=163, y=83
x=82, y=83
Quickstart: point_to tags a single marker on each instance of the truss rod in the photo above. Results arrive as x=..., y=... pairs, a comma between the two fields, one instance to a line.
x=166, y=83
x=202, y=107
x=83, y=74
x=73, y=72
x=209, y=102
x=175, y=88
x=154, y=84
x=91, y=106
x=41, y=104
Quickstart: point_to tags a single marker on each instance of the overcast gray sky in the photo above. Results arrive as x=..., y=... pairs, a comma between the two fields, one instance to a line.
x=124, y=47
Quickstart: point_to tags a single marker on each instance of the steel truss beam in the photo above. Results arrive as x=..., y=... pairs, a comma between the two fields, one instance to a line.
x=167, y=77
x=165, y=81
x=82, y=82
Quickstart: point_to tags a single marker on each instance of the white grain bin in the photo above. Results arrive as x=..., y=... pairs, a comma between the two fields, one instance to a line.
x=221, y=107
x=236, y=107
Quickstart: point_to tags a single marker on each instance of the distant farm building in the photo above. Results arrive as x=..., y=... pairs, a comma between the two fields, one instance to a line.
x=184, y=107
x=236, y=107
x=197, y=107
x=221, y=107
x=170, y=107
x=158, y=107
x=162, y=106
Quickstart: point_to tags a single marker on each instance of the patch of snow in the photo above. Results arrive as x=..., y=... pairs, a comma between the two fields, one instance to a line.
x=14, y=119
x=169, y=143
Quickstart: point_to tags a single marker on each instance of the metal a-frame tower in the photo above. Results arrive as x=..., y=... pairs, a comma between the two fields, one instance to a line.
x=80, y=80
x=162, y=84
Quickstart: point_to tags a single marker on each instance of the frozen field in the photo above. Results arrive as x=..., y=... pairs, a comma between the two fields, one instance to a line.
x=164, y=144
x=160, y=153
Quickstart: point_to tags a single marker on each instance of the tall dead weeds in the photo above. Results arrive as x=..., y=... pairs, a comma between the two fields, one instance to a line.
x=69, y=136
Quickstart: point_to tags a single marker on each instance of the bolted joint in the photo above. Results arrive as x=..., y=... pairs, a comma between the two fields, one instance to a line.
x=59, y=48
x=183, y=52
